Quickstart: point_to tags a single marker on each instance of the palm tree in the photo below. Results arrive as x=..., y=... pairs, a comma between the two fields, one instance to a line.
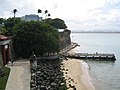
x=14, y=11
x=39, y=11
x=44, y=14
x=49, y=15
x=46, y=11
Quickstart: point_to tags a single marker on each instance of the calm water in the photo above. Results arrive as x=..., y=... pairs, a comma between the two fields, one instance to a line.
x=105, y=74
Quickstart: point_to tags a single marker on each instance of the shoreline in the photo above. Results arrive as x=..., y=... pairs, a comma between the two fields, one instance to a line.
x=77, y=74
x=86, y=75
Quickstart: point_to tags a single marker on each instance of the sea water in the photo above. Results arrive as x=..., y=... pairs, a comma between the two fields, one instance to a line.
x=105, y=74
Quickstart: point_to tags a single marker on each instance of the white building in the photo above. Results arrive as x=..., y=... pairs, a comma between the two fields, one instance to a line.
x=31, y=17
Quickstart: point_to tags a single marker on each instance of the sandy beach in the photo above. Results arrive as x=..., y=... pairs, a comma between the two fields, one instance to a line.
x=77, y=74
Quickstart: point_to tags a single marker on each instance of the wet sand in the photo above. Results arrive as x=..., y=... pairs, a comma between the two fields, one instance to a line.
x=77, y=74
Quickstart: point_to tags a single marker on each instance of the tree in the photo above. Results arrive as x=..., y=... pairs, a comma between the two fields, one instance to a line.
x=56, y=23
x=1, y=20
x=9, y=25
x=39, y=11
x=35, y=36
x=14, y=11
x=47, y=14
x=2, y=29
x=46, y=11
x=44, y=14
x=59, y=23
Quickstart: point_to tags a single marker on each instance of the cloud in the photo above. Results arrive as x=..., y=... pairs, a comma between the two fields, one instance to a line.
x=78, y=14
x=104, y=17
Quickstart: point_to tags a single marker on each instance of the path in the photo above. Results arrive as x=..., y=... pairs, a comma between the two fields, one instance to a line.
x=19, y=78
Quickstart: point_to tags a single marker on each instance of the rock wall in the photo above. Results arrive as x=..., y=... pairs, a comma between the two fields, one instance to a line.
x=64, y=38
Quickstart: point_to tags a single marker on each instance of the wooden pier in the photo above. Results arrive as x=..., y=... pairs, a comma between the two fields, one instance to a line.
x=94, y=56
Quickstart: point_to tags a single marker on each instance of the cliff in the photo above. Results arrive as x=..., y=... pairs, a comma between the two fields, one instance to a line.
x=64, y=38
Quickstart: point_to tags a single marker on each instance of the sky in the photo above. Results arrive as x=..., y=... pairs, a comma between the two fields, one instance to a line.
x=78, y=15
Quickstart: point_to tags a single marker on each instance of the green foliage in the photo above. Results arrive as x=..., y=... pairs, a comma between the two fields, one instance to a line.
x=56, y=23
x=40, y=37
x=11, y=22
x=9, y=25
x=2, y=30
x=4, y=78
x=66, y=30
x=35, y=36
x=1, y=20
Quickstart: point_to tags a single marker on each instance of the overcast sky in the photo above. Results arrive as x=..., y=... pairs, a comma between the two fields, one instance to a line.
x=78, y=14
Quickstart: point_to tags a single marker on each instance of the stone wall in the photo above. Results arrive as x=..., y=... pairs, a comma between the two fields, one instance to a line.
x=65, y=39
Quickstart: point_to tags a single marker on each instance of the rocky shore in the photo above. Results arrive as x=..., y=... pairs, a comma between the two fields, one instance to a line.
x=48, y=76
x=60, y=74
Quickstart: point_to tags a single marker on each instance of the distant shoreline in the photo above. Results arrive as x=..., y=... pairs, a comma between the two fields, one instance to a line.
x=95, y=32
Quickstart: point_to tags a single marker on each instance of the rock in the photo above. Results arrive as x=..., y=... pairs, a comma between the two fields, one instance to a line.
x=62, y=84
x=38, y=72
x=66, y=69
x=74, y=88
x=42, y=87
x=32, y=81
x=33, y=74
x=48, y=75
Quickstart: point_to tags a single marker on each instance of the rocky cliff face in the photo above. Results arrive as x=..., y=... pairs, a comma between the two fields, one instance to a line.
x=64, y=39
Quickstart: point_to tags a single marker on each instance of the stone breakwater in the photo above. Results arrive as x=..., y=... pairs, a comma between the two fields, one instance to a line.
x=47, y=76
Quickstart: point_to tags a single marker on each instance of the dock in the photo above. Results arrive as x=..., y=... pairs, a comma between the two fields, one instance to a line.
x=94, y=56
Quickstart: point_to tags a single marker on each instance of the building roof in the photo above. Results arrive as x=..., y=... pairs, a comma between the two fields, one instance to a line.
x=2, y=37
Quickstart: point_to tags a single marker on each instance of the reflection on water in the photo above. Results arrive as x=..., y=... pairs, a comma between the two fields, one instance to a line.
x=105, y=74
x=97, y=62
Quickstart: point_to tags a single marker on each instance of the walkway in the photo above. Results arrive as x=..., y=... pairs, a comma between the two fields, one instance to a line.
x=19, y=78
x=94, y=56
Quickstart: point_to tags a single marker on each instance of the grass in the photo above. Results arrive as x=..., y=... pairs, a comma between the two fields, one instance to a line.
x=4, y=78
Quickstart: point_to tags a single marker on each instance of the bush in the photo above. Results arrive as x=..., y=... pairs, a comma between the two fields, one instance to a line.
x=4, y=78
x=35, y=36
